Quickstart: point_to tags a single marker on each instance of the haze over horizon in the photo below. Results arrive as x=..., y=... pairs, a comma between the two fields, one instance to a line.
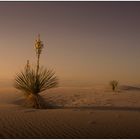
x=83, y=41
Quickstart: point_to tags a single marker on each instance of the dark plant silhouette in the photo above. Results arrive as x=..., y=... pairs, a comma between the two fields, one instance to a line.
x=34, y=80
x=114, y=84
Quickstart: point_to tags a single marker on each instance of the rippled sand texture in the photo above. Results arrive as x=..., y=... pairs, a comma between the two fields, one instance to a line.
x=82, y=113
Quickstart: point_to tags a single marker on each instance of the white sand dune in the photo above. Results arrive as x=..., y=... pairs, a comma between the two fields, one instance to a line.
x=126, y=87
x=79, y=97
x=79, y=113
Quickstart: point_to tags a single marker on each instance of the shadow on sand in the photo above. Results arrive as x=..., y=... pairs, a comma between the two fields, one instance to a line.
x=100, y=108
x=129, y=88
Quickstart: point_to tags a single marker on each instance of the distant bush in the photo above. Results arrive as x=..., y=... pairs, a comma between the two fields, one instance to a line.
x=114, y=84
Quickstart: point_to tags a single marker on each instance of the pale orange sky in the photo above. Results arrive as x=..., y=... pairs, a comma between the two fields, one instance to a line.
x=84, y=41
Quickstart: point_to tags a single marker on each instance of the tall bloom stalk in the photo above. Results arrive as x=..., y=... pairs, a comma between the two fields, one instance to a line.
x=38, y=46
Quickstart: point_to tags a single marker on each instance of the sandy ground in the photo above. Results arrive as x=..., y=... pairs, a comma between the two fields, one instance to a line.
x=82, y=112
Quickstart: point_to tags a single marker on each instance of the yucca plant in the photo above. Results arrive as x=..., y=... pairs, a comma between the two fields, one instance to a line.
x=34, y=80
x=114, y=84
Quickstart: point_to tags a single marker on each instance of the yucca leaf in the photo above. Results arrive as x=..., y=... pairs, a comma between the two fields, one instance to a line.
x=30, y=82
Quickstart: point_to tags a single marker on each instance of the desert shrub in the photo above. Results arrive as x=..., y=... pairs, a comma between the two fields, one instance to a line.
x=32, y=84
x=114, y=84
x=34, y=80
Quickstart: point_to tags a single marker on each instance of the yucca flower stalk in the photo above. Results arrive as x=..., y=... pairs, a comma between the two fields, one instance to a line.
x=38, y=47
x=34, y=80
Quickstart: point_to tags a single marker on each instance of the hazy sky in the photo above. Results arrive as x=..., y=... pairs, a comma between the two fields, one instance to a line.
x=84, y=41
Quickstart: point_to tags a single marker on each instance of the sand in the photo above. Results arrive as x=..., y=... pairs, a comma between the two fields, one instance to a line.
x=79, y=112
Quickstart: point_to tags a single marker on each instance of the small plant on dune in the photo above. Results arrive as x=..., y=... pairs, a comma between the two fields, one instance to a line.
x=34, y=80
x=114, y=84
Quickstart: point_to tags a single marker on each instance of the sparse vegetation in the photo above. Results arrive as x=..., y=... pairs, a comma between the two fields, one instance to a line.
x=114, y=84
x=34, y=80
